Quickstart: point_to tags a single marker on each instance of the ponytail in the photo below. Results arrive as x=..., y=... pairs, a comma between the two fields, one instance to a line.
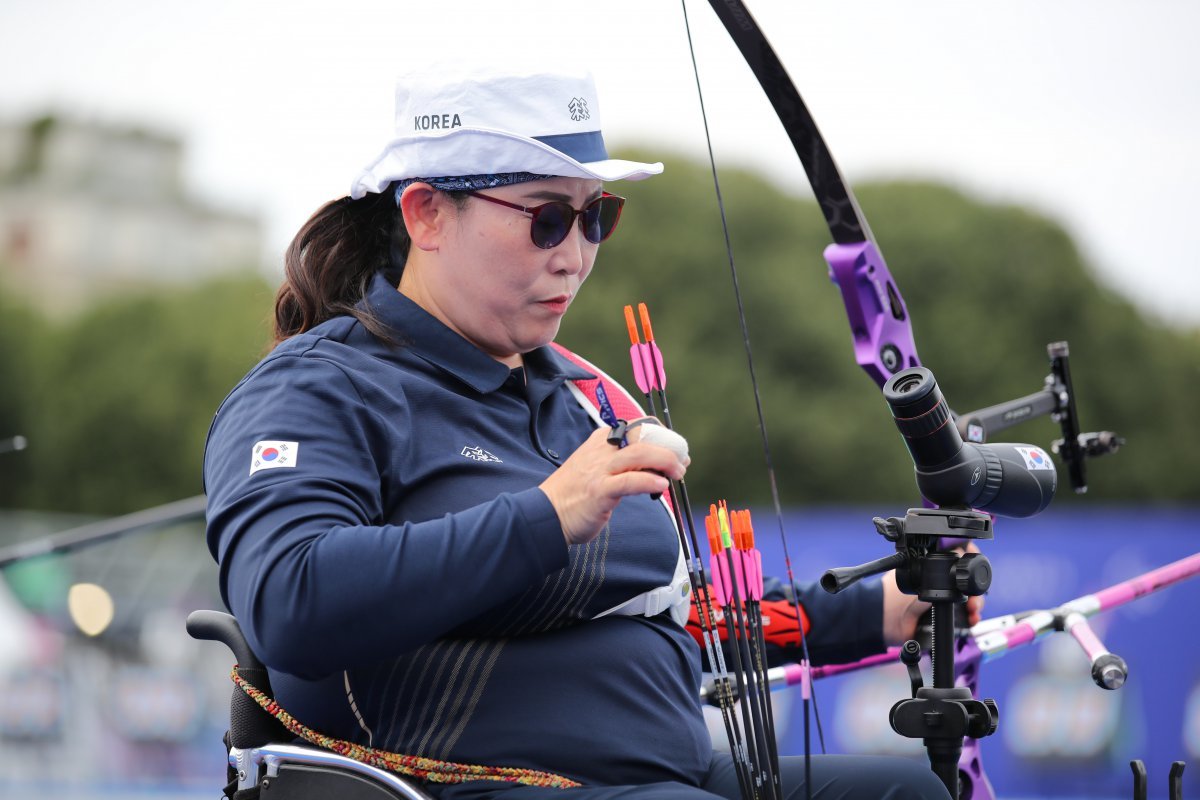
x=332, y=260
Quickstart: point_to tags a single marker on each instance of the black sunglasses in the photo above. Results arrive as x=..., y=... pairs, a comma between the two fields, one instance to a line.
x=552, y=221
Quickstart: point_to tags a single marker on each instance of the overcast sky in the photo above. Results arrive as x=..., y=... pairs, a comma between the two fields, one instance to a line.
x=1085, y=109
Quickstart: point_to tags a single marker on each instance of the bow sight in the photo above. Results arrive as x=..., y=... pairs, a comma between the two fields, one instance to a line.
x=955, y=468
x=1057, y=399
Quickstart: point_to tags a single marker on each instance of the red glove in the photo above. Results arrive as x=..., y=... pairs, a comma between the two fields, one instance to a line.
x=778, y=621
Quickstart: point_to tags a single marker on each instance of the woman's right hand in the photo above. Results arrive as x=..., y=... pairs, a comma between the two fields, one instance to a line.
x=587, y=487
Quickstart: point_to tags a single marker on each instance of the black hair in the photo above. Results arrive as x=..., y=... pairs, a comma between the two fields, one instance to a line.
x=332, y=260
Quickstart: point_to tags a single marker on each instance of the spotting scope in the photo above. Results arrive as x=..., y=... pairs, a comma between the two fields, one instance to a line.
x=1010, y=480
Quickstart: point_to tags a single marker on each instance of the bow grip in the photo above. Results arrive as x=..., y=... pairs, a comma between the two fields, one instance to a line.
x=883, y=340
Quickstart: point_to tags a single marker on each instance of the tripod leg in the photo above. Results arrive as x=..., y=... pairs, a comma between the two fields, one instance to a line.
x=943, y=760
x=1139, y=779
x=1176, y=780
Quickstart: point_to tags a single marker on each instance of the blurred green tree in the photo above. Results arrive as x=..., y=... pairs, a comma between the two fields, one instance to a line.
x=123, y=395
x=116, y=403
x=988, y=286
x=22, y=333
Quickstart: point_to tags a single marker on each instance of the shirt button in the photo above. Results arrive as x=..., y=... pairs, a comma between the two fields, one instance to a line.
x=552, y=453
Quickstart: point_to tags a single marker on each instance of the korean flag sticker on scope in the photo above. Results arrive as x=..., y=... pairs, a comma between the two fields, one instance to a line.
x=273, y=455
x=1035, y=458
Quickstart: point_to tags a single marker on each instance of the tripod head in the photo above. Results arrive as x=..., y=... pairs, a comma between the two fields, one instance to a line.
x=941, y=714
x=915, y=536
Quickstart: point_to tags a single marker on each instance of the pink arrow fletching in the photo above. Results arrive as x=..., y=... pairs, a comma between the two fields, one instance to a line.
x=722, y=586
x=754, y=576
x=658, y=374
x=639, y=368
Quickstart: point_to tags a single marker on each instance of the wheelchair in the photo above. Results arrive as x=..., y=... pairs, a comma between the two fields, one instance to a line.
x=262, y=763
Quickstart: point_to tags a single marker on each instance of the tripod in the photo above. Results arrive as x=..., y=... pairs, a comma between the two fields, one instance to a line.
x=941, y=714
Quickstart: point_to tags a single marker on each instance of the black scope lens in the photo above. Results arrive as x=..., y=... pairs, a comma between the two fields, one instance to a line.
x=923, y=417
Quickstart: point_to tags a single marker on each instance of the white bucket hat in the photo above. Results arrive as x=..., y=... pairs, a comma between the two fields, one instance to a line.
x=470, y=121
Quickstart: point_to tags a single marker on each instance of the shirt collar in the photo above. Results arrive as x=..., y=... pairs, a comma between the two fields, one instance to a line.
x=426, y=336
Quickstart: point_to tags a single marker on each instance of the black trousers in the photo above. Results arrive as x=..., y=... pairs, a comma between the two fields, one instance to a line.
x=834, y=778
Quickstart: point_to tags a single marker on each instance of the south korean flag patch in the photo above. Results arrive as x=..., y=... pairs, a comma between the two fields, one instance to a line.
x=1035, y=458
x=271, y=454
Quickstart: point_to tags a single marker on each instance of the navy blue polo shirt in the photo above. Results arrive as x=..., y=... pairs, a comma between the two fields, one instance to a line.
x=381, y=538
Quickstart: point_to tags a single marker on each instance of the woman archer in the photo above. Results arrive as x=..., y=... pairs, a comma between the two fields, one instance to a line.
x=424, y=532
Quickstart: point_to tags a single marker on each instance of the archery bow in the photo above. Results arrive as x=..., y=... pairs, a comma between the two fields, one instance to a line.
x=883, y=343
x=878, y=317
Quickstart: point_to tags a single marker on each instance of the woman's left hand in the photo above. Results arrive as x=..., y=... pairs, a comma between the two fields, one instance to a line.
x=901, y=612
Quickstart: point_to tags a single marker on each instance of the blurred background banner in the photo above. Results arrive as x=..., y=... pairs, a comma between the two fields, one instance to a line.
x=1060, y=735
x=101, y=689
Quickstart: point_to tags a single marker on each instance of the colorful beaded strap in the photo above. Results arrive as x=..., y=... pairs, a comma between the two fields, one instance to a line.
x=427, y=769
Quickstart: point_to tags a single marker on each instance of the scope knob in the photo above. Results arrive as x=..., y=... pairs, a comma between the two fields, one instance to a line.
x=993, y=716
x=973, y=574
x=910, y=654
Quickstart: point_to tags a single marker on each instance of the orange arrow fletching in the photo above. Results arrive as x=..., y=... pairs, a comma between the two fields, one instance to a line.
x=644, y=313
x=714, y=538
x=632, y=325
